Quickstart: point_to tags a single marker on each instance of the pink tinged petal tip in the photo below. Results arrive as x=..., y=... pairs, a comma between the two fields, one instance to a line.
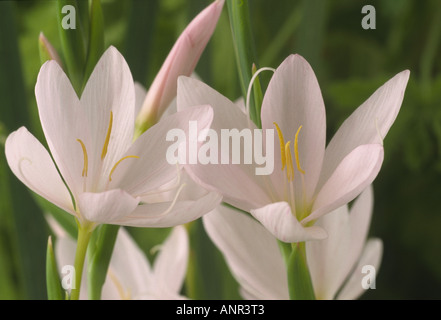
x=48, y=50
x=181, y=60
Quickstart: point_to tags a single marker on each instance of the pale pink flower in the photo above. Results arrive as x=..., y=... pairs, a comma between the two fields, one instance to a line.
x=130, y=275
x=181, y=60
x=335, y=264
x=308, y=180
x=98, y=174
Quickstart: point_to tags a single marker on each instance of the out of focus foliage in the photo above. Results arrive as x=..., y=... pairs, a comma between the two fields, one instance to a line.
x=350, y=64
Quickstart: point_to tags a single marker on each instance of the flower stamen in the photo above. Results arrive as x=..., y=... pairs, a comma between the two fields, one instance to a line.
x=282, y=145
x=296, y=150
x=106, y=142
x=288, y=161
x=118, y=162
x=86, y=161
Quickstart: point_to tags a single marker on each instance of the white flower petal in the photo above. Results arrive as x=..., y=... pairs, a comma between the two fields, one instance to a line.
x=356, y=171
x=238, y=183
x=326, y=256
x=251, y=252
x=152, y=169
x=110, y=88
x=278, y=219
x=294, y=99
x=129, y=269
x=63, y=122
x=331, y=260
x=170, y=265
x=106, y=207
x=32, y=164
x=368, y=124
x=371, y=256
x=169, y=214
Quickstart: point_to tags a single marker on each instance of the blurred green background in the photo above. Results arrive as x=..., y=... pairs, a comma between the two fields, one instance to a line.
x=350, y=64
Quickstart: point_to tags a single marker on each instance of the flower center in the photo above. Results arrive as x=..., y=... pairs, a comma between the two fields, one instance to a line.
x=286, y=156
x=297, y=200
x=103, y=152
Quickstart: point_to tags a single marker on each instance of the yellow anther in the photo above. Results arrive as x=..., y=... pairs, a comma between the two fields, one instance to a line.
x=117, y=163
x=106, y=142
x=282, y=145
x=84, y=173
x=296, y=150
x=288, y=160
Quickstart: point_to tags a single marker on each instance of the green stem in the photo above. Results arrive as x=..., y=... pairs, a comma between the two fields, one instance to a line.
x=84, y=233
x=299, y=280
x=285, y=249
x=243, y=41
x=100, y=258
x=53, y=284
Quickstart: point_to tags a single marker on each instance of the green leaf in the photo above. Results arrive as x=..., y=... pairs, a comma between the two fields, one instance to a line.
x=96, y=39
x=28, y=229
x=72, y=41
x=244, y=48
x=138, y=37
x=429, y=55
x=53, y=284
x=223, y=75
x=83, y=18
x=312, y=32
x=101, y=253
x=299, y=280
x=9, y=268
x=281, y=38
x=208, y=276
